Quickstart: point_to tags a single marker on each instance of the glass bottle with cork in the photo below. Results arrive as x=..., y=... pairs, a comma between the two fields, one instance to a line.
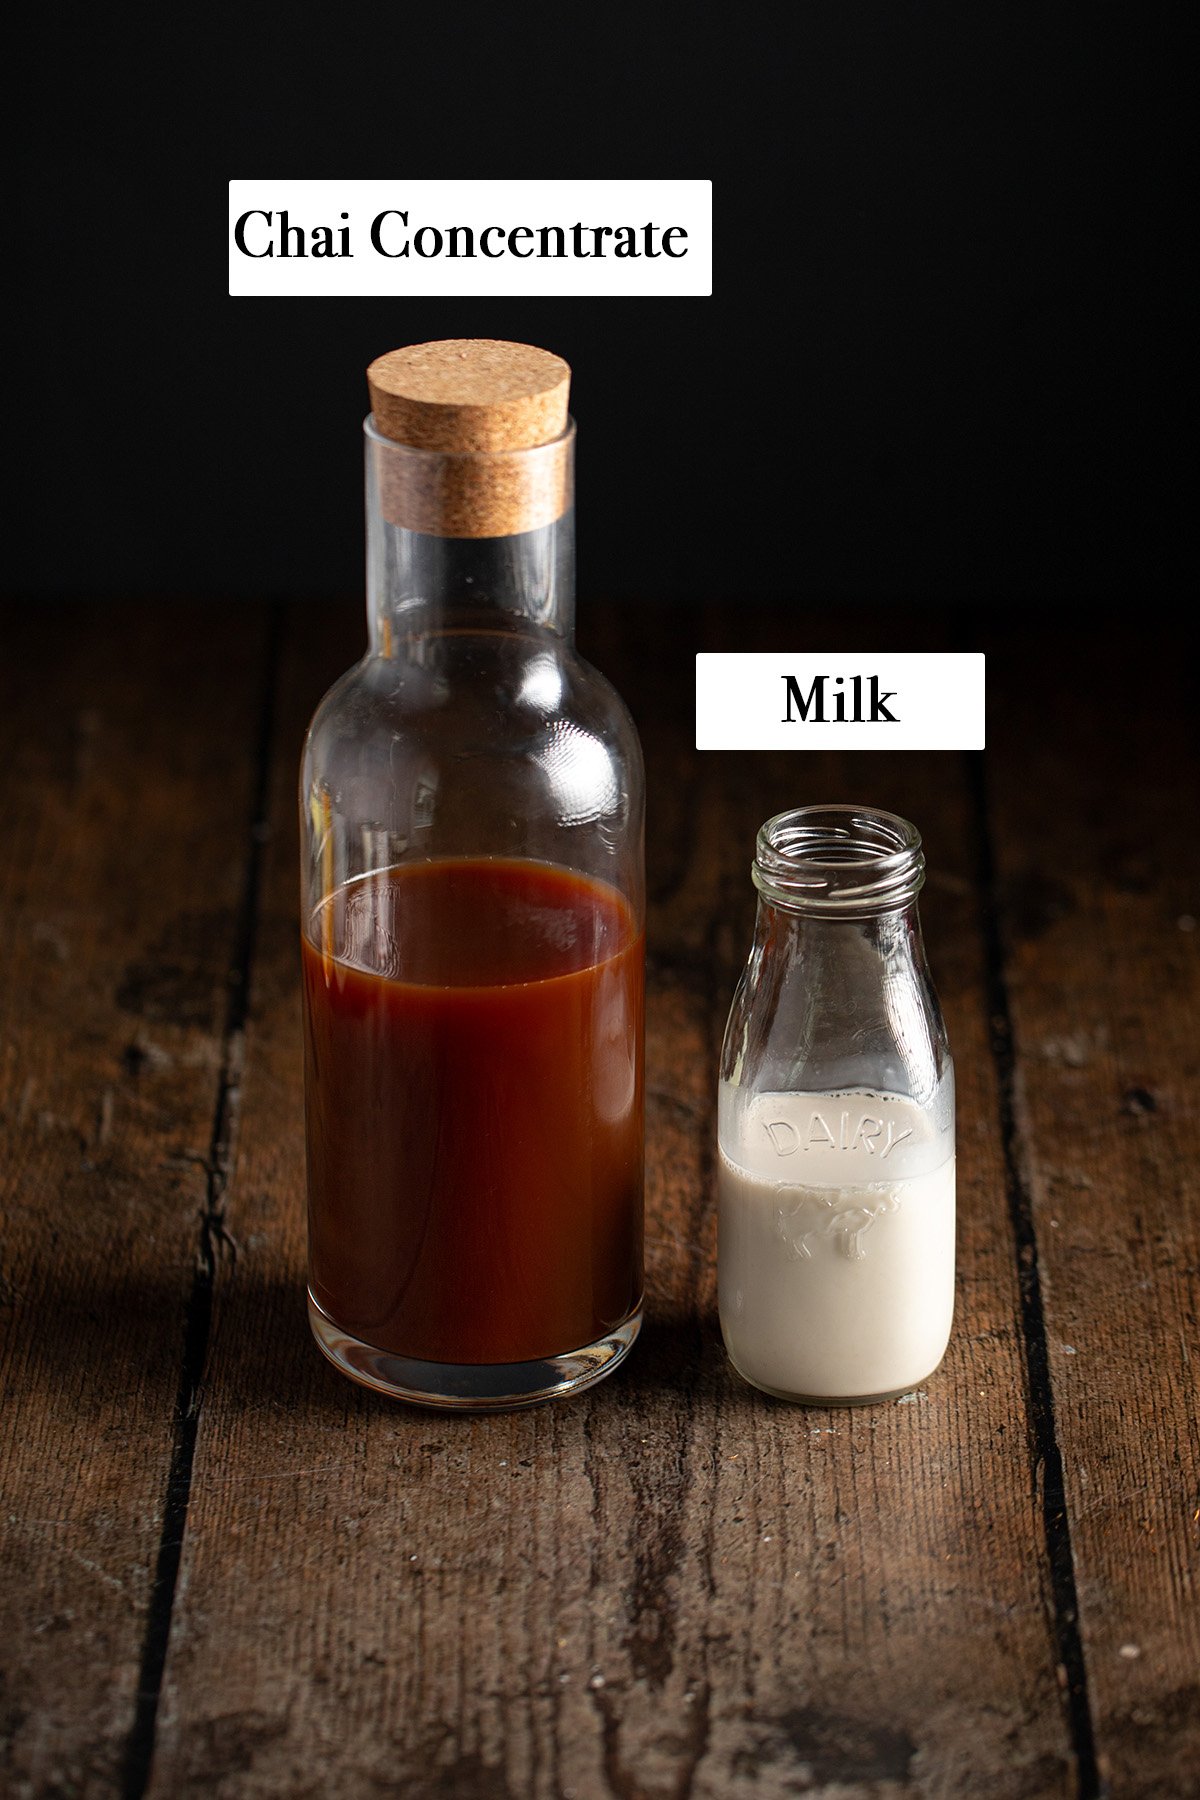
x=473, y=918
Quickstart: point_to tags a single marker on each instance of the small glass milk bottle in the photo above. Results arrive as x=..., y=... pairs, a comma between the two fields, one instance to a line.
x=836, y=1121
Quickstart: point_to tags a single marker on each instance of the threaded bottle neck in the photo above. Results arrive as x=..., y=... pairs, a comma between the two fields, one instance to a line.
x=838, y=862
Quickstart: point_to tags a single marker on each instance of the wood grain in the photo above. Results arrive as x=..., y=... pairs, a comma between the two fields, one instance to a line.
x=672, y=1586
x=1099, y=892
x=126, y=769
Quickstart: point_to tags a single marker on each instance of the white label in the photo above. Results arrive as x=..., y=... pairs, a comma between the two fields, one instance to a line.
x=315, y=239
x=910, y=700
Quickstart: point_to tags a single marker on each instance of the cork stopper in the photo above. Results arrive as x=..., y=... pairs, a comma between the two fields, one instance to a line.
x=470, y=394
x=472, y=437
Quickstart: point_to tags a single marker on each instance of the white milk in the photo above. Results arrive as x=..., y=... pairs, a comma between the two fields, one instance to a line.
x=836, y=1264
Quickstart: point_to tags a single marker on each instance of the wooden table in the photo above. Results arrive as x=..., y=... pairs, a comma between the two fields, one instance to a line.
x=226, y=1571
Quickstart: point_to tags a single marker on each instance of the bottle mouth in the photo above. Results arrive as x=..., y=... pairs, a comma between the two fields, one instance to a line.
x=838, y=861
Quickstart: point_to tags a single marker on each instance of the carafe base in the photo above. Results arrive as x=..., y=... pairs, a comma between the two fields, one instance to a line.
x=473, y=1387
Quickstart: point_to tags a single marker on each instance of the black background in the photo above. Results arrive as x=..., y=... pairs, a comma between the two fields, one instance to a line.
x=939, y=363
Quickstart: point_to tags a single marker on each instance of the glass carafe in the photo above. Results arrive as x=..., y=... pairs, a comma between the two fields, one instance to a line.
x=473, y=932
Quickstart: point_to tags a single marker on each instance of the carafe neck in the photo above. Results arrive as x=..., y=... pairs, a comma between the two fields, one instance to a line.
x=468, y=542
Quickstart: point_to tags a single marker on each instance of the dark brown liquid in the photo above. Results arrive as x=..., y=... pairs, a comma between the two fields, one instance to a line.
x=475, y=1114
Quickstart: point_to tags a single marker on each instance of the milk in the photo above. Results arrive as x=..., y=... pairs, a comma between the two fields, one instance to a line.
x=836, y=1262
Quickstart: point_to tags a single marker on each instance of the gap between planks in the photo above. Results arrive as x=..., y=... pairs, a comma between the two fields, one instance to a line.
x=1047, y=1454
x=212, y=1242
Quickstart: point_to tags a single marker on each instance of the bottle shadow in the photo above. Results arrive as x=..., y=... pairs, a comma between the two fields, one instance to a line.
x=145, y=1342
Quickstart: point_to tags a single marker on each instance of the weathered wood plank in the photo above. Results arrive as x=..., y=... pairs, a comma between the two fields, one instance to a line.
x=126, y=770
x=672, y=1586
x=1099, y=888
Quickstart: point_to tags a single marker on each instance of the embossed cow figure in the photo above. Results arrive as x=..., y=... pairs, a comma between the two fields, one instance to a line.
x=843, y=1217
